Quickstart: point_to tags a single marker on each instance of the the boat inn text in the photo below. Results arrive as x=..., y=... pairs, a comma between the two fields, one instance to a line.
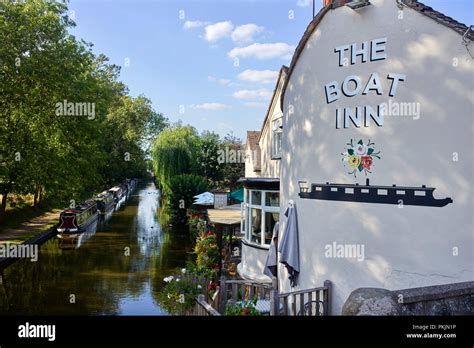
x=367, y=51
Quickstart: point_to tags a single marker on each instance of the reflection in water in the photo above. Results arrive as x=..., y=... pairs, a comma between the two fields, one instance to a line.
x=71, y=241
x=121, y=202
x=149, y=233
x=117, y=271
x=104, y=219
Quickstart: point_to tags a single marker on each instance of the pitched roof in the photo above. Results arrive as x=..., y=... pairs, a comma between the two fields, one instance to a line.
x=283, y=71
x=252, y=138
x=252, y=142
x=458, y=27
x=449, y=22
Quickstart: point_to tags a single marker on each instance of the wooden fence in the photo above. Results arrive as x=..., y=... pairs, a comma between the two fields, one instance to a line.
x=242, y=290
x=202, y=308
x=309, y=302
x=312, y=302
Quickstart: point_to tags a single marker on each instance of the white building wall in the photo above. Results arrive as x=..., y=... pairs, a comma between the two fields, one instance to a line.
x=404, y=247
x=250, y=163
x=270, y=166
x=254, y=257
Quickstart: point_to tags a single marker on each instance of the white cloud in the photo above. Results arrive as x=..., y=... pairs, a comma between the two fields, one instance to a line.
x=193, y=24
x=262, y=94
x=256, y=105
x=304, y=3
x=263, y=51
x=246, y=32
x=261, y=76
x=210, y=106
x=217, y=31
x=223, y=82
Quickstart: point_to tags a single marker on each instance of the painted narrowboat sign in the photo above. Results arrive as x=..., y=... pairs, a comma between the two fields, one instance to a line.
x=400, y=195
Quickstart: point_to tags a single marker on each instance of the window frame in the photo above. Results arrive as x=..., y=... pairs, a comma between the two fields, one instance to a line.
x=246, y=209
x=277, y=133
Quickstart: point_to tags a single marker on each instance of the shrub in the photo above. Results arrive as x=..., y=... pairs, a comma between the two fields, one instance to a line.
x=197, y=226
x=179, y=293
x=207, y=251
x=243, y=308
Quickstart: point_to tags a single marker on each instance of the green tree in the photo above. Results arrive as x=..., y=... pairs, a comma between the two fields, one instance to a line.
x=233, y=169
x=41, y=65
x=45, y=149
x=174, y=152
x=130, y=125
x=207, y=158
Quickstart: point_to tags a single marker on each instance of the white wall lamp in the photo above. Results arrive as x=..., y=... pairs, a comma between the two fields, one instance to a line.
x=304, y=186
x=356, y=4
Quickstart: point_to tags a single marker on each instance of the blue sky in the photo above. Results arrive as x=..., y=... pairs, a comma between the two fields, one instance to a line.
x=180, y=54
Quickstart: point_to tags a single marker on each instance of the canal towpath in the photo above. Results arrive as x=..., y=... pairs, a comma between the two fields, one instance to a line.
x=30, y=228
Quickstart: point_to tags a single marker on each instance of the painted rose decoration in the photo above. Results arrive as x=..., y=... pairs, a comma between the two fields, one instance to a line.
x=360, y=156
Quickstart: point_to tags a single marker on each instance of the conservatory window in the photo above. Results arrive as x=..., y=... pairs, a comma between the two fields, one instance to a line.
x=260, y=215
x=256, y=225
x=243, y=207
x=256, y=197
x=270, y=220
x=272, y=199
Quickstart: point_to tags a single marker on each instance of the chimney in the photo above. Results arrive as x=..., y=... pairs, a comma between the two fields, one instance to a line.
x=335, y=3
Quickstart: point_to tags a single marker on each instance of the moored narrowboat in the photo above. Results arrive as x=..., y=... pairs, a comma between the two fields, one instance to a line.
x=117, y=192
x=125, y=188
x=105, y=202
x=79, y=218
x=131, y=184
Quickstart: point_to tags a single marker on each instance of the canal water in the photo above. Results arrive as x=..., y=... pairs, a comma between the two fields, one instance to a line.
x=118, y=270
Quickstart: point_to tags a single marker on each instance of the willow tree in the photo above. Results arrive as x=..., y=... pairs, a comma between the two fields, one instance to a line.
x=174, y=152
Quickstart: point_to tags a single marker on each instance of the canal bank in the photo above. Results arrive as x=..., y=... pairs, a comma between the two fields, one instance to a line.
x=117, y=271
x=32, y=228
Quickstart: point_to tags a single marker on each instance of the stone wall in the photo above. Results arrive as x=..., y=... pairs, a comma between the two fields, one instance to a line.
x=447, y=299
